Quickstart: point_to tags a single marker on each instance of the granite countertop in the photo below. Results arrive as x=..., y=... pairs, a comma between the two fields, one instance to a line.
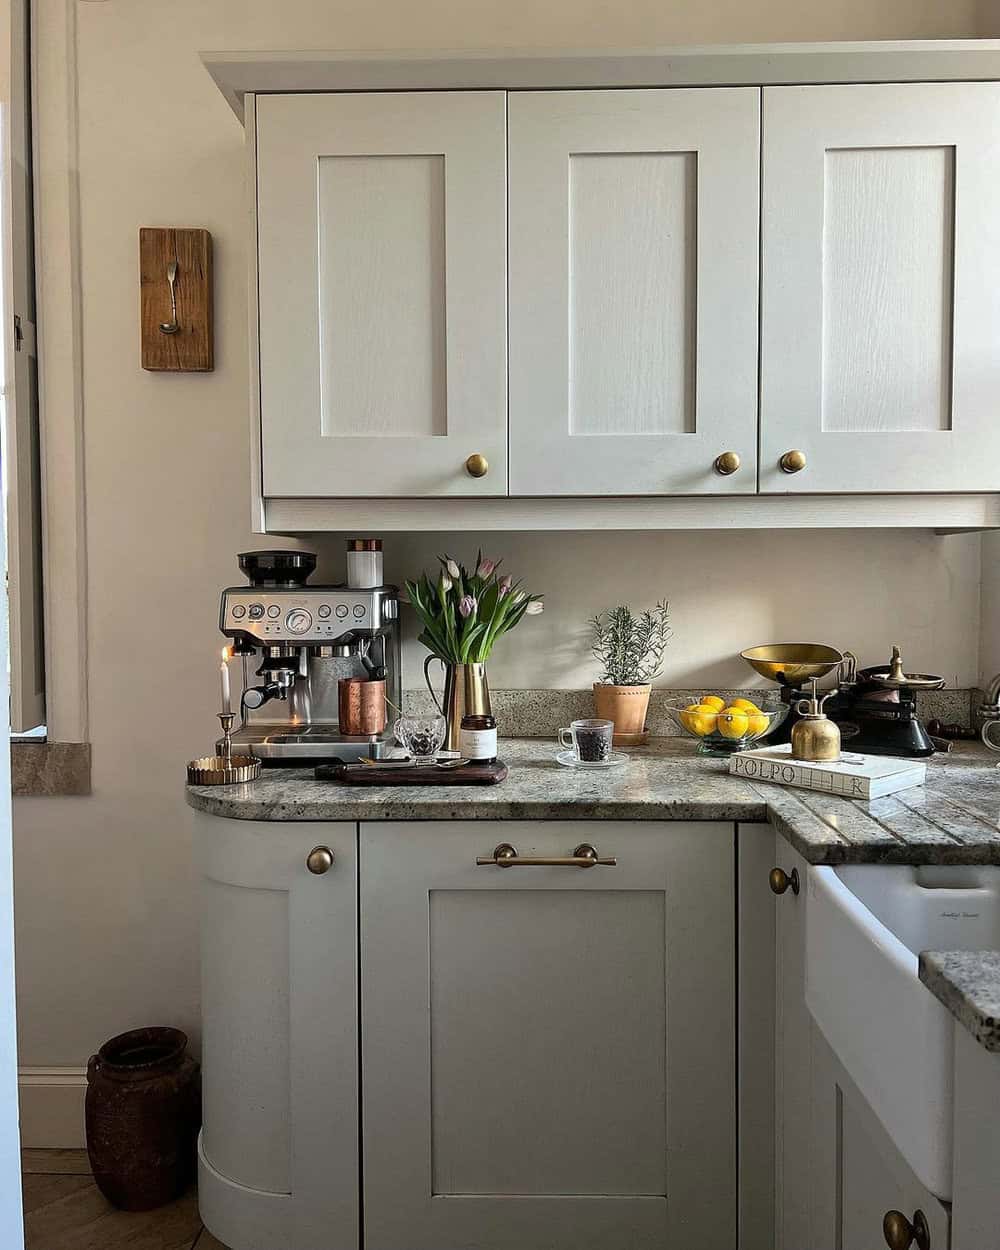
x=968, y=983
x=951, y=820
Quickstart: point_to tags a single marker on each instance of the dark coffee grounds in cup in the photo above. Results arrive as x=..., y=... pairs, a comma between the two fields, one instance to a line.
x=593, y=745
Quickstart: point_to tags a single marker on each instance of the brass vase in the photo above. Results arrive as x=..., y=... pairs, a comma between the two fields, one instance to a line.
x=466, y=693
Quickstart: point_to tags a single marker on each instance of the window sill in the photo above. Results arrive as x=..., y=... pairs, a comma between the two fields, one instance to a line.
x=48, y=769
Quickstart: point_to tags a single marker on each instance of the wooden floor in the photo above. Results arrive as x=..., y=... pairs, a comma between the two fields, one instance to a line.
x=64, y=1210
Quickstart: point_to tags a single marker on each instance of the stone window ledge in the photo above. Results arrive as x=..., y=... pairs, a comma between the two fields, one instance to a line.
x=49, y=768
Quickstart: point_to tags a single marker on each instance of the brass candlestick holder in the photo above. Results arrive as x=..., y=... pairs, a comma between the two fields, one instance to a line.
x=226, y=769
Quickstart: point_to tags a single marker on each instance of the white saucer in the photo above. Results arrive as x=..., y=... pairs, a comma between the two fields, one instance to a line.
x=568, y=760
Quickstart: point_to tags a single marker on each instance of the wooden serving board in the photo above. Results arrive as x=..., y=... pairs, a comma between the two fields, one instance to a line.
x=468, y=775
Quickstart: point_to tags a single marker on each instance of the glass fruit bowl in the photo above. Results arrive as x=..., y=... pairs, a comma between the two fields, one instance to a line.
x=726, y=730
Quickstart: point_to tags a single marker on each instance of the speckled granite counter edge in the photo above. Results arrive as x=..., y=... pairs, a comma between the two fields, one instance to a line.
x=473, y=805
x=814, y=840
x=952, y=820
x=968, y=984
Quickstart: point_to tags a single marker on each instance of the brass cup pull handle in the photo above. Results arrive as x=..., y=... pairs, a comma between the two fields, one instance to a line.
x=779, y=880
x=319, y=860
x=792, y=462
x=900, y=1234
x=729, y=462
x=506, y=856
x=477, y=465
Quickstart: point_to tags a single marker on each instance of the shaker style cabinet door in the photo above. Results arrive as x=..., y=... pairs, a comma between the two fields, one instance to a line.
x=860, y=1175
x=381, y=238
x=880, y=301
x=633, y=291
x=548, y=1051
x=278, y=1154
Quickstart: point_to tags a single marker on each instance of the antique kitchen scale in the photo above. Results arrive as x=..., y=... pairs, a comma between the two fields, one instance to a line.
x=875, y=708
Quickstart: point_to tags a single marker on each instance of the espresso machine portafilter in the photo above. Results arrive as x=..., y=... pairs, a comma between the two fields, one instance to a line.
x=297, y=642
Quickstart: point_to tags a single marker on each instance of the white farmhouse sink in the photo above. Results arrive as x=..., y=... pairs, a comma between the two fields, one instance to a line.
x=865, y=924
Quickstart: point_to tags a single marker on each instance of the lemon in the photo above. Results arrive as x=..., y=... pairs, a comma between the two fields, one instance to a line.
x=699, y=718
x=757, y=723
x=733, y=723
x=714, y=702
x=744, y=705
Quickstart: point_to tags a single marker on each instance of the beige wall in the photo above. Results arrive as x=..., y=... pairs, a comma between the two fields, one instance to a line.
x=988, y=18
x=727, y=591
x=106, y=896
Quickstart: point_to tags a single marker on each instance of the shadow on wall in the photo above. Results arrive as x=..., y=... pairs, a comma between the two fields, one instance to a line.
x=988, y=19
x=727, y=590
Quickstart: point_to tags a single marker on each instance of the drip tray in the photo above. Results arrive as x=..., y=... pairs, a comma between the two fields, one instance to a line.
x=309, y=745
x=313, y=737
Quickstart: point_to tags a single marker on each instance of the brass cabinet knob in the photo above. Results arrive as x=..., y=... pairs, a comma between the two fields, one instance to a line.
x=792, y=462
x=477, y=465
x=900, y=1234
x=779, y=880
x=319, y=860
x=727, y=463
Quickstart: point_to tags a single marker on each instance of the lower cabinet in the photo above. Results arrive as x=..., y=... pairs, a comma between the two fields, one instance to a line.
x=277, y=1166
x=538, y=1056
x=869, y=1177
x=837, y=1172
x=548, y=1051
x=469, y=1036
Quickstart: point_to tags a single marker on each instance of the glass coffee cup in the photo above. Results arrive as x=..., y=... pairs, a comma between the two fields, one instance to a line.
x=589, y=740
x=421, y=736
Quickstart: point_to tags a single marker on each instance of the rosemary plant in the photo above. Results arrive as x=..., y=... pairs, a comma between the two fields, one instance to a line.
x=630, y=649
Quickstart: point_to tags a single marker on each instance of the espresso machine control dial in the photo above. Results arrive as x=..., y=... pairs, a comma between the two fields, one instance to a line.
x=298, y=621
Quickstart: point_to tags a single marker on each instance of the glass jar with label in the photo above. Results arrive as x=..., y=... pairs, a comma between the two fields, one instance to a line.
x=477, y=739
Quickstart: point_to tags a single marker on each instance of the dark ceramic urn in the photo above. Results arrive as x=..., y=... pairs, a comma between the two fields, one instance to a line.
x=143, y=1113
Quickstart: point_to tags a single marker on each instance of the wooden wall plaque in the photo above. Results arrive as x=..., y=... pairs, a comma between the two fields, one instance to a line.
x=189, y=348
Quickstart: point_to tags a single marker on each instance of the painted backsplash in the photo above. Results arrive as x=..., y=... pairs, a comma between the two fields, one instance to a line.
x=728, y=590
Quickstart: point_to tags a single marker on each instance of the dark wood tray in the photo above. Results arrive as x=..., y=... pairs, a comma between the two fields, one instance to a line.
x=468, y=775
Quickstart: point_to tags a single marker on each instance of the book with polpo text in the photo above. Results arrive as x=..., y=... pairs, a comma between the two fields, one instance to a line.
x=851, y=777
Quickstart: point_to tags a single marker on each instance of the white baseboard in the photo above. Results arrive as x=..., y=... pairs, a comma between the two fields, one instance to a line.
x=52, y=1107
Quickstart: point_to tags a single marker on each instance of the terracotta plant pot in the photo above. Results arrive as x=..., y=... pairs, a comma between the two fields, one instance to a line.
x=625, y=705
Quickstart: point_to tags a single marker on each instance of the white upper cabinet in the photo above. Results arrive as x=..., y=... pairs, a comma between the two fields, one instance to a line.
x=629, y=296
x=880, y=335
x=381, y=252
x=633, y=291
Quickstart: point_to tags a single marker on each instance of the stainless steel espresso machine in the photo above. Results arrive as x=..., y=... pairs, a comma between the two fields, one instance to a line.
x=296, y=643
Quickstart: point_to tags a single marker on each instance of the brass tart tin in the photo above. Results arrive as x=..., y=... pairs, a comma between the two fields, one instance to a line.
x=217, y=770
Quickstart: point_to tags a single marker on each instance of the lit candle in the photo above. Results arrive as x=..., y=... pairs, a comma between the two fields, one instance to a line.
x=224, y=675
